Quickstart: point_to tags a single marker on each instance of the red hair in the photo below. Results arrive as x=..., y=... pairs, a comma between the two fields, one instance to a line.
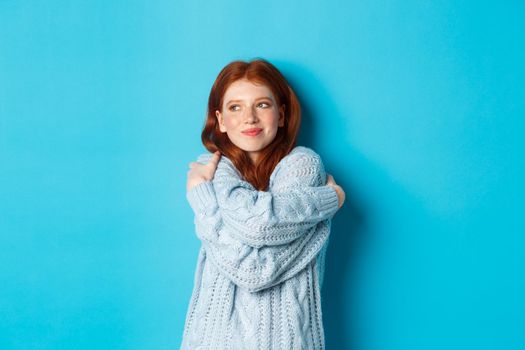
x=263, y=72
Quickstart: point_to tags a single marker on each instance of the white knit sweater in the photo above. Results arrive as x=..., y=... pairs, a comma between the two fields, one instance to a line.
x=260, y=267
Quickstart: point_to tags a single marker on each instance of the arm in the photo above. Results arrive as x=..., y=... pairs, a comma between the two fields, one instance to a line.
x=249, y=267
x=298, y=200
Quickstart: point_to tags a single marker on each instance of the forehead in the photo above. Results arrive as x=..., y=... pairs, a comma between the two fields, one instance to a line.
x=244, y=89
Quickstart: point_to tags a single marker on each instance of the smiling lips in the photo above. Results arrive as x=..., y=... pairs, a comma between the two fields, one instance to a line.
x=252, y=132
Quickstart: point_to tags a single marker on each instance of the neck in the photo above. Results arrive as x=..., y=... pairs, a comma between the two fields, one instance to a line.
x=253, y=157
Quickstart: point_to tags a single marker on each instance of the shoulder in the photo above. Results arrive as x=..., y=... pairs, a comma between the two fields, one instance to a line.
x=297, y=153
x=302, y=164
x=206, y=156
x=301, y=155
x=224, y=162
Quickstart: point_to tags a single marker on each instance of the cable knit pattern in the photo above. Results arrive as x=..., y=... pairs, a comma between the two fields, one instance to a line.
x=260, y=266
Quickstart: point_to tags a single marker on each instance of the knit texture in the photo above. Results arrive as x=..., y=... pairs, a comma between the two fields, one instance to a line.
x=260, y=267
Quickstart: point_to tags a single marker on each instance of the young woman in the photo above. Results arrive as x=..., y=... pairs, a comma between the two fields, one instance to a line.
x=263, y=209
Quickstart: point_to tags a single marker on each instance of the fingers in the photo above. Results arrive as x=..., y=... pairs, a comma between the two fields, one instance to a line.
x=341, y=194
x=214, y=160
x=330, y=180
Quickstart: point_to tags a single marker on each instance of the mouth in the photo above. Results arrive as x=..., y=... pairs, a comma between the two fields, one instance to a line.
x=252, y=132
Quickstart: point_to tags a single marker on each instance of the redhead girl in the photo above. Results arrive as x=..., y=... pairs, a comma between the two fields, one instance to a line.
x=263, y=208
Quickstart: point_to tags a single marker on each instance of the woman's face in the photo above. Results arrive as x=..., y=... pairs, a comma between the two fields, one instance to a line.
x=250, y=106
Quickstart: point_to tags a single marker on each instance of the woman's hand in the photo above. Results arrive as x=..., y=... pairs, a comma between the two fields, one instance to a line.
x=340, y=193
x=202, y=172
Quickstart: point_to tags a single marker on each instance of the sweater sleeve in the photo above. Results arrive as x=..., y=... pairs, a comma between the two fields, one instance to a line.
x=298, y=201
x=259, y=266
x=252, y=268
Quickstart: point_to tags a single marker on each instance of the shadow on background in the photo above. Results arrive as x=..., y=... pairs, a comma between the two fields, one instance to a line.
x=348, y=225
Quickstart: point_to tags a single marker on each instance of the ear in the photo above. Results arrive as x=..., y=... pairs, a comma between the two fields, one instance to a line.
x=281, y=115
x=220, y=119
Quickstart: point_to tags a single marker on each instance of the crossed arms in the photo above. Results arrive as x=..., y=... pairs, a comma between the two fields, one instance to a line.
x=257, y=238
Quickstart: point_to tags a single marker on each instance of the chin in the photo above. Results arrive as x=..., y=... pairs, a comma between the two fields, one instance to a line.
x=251, y=149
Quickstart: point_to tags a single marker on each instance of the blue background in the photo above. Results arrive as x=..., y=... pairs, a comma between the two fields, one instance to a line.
x=416, y=107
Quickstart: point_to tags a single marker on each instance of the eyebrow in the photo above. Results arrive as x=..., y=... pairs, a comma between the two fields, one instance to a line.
x=257, y=99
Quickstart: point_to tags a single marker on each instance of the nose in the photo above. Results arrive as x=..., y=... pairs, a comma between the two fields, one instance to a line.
x=251, y=116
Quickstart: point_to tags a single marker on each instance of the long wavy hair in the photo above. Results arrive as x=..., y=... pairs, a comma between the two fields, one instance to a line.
x=263, y=72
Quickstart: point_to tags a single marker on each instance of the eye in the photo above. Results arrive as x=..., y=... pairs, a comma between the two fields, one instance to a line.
x=264, y=104
x=233, y=107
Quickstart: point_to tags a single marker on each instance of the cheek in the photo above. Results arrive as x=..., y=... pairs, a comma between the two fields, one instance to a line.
x=230, y=123
x=271, y=118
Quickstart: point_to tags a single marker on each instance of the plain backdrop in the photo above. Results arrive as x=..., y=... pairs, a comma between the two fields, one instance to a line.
x=416, y=108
